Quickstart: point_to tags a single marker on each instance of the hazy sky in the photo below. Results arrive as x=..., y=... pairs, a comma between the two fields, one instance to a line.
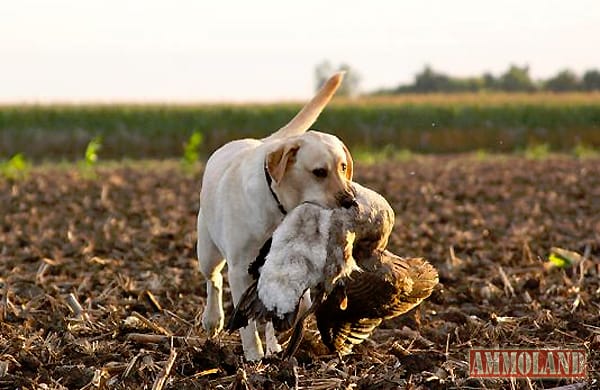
x=106, y=50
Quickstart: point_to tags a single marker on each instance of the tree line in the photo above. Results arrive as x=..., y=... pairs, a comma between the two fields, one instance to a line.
x=515, y=79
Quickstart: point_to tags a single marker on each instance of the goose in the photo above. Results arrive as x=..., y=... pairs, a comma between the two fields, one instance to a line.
x=341, y=256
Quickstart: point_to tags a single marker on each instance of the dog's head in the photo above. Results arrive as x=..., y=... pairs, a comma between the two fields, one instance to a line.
x=314, y=167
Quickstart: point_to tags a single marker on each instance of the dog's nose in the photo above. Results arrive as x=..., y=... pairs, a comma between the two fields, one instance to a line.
x=348, y=201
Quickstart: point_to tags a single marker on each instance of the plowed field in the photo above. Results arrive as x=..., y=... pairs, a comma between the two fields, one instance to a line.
x=96, y=274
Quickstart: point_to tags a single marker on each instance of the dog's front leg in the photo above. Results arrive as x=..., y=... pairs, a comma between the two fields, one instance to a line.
x=271, y=342
x=239, y=280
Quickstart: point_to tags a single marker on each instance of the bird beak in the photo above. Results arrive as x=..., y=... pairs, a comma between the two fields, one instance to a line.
x=344, y=303
x=346, y=199
x=348, y=202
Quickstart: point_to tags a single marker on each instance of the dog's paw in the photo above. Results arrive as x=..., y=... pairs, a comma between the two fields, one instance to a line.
x=272, y=349
x=213, y=322
x=253, y=355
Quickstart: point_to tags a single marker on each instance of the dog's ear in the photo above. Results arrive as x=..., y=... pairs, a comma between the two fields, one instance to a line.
x=349, y=163
x=280, y=159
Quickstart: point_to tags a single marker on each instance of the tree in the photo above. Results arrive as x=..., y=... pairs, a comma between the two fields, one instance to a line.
x=430, y=81
x=465, y=84
x=516, y=79
x=591, y=80
x=489, y=81
x=350, y=85
x=564, y=81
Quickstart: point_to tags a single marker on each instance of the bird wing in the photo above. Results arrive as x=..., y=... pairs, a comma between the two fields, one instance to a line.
x=415, y=272
x=388, y=286
x=352, y=311
x=256, y=265
x=294, y=261
x=341, y=323
x=344, y=336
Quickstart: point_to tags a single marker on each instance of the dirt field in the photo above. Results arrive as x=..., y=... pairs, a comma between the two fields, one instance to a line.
x=88, y=264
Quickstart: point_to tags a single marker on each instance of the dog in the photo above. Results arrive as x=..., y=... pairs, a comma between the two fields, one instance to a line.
x=247, y=188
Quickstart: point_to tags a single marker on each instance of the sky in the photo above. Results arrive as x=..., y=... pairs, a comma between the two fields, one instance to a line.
x=266, y=50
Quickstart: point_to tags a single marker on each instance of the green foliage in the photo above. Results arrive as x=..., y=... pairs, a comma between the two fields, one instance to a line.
x=582, y=150
x=91, y=151
x=90, y=158
x=496, y=123
x=387, y=153
x=514, y=79
x=430, y=81
x=481, y=155
x=564, y=81
x=191, y=150
x=591, y=80
x=537, y=152
x=559, y=261
x=563, y=258
x=15, y=168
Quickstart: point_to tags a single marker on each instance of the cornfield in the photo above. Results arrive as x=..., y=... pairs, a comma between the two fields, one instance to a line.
x=421, y=123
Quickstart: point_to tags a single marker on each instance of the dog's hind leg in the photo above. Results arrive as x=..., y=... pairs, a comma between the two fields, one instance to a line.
x=211, y=263
x=239, y=280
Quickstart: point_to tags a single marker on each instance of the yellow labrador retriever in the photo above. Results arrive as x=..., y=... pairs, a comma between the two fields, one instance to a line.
x=247, y=188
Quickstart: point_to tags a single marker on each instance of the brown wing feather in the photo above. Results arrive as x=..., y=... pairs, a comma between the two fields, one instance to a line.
x=415, y=280
x=366, y=293
x=387, y=287
x=350, y=334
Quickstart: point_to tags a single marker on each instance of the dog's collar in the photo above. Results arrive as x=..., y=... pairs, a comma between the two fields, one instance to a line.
x=269, y=181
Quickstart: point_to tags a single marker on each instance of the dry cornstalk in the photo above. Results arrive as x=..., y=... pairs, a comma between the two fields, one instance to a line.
x=507, y=285
x=162, y=378
x=572, y=386
x=412, y=334
x=322, y=384
x=143, y=338
x=202, y=373
x=4, y=302
x=151, y=325
x=74, y=305
x=153, y=301
x=39, y=276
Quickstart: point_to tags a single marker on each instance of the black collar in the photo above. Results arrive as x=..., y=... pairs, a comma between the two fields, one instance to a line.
x=269, y=181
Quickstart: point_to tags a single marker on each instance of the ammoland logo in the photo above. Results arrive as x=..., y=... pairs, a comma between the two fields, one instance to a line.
x=527, y=363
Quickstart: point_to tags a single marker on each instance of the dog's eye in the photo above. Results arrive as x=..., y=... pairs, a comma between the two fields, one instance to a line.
x=344, y=167
x=320, y=172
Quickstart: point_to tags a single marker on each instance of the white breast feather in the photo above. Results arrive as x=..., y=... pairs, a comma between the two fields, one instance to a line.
x=294, y=262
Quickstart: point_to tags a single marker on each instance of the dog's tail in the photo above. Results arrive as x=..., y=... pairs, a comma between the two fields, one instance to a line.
x=310, y=112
